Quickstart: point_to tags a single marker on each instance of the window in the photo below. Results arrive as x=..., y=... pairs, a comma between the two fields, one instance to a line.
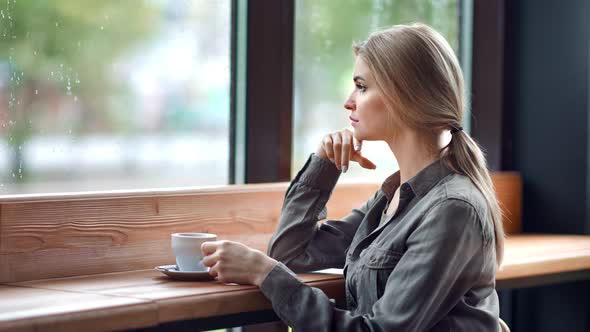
x=102, y=95
x=323, y=65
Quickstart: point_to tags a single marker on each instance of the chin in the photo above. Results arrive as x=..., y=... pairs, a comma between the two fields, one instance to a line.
x=366, y=137
x=360, y=135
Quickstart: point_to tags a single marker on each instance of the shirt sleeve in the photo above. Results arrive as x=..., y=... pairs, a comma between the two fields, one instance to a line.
x=443, y=261
x=300, y=241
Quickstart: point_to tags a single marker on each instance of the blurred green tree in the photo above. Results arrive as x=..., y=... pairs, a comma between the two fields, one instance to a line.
x=52, y=49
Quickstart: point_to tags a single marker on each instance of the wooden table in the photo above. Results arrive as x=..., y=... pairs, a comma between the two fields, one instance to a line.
x=146, y=298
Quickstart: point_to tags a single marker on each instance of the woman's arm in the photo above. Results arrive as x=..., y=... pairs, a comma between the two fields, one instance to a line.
x=300, y=241
x=444, y=260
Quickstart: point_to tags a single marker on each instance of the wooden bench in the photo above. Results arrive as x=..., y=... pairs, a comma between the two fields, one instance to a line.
x=75, y=261
x=53, y=236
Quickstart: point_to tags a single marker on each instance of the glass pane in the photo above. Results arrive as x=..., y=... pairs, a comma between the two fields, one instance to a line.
x=101, y=95
x=324, y=33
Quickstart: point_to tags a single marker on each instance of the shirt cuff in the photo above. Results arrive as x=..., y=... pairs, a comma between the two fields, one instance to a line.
x=280, y=284
x=319, y=173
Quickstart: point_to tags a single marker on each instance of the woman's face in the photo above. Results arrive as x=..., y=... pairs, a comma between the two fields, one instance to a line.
x=368, y=113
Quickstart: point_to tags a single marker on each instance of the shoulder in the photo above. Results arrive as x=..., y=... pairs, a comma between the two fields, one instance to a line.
x=457, y=199
x=459, y=191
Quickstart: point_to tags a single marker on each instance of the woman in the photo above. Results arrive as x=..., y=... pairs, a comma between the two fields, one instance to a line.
x=422, y=253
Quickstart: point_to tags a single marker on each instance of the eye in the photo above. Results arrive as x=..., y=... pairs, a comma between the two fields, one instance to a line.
x=361, y=87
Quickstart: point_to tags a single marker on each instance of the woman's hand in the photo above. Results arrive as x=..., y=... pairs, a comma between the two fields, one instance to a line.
x=341, y=147
x=234, y=262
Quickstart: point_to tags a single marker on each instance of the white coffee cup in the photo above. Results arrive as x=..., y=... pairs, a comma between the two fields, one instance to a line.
x=187, y=249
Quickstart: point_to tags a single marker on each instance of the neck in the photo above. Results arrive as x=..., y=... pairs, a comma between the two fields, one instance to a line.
x=412, y=152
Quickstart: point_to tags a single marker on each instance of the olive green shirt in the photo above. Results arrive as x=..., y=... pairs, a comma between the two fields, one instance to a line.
x=429, y=267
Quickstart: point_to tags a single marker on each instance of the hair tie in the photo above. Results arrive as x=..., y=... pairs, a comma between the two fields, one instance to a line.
x=454, y=130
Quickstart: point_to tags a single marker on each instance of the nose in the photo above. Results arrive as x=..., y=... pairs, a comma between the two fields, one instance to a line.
x=350, y=104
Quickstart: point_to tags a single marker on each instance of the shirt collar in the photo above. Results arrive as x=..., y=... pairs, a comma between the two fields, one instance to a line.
x=421, y=183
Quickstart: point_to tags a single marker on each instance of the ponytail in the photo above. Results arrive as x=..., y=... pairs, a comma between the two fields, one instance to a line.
x=466, y=157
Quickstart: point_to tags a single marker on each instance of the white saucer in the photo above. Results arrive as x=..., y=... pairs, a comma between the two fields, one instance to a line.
x=172, y=272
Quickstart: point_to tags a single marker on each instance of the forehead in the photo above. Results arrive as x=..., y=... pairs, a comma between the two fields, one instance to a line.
x=361, y=68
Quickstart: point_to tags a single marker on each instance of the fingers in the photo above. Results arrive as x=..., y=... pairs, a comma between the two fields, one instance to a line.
x=328, y=147
x=357, y=144
x=210, y=260
x=358, y=157
x=213, y=271
x=365, y=163
x=337, y=144
x=341, y=147
x=212, y=256
x=223, y=274
x=212, y=252
x=234, y=262
x=346, y=149
x=207, y=248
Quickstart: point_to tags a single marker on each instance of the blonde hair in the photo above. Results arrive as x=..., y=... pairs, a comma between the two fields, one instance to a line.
x=416, y=70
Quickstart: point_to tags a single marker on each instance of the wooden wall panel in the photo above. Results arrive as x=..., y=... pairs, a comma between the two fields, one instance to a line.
x=508, y=187
x=52, y=239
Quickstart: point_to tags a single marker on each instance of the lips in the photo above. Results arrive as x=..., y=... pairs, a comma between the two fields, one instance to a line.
x=353, y=119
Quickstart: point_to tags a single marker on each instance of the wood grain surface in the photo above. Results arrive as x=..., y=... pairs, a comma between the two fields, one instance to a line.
x=130, y=299
x=529, y=255
x=25, y=308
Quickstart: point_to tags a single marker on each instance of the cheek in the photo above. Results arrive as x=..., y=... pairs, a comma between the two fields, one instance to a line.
x=378, y=121
x=375, y=127
x=375, y=121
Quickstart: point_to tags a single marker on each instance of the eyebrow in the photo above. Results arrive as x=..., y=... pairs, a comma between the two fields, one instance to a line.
x=358, y=77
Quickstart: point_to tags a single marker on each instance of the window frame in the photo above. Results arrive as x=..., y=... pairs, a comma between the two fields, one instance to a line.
x=262, y=106
x=489, y=125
